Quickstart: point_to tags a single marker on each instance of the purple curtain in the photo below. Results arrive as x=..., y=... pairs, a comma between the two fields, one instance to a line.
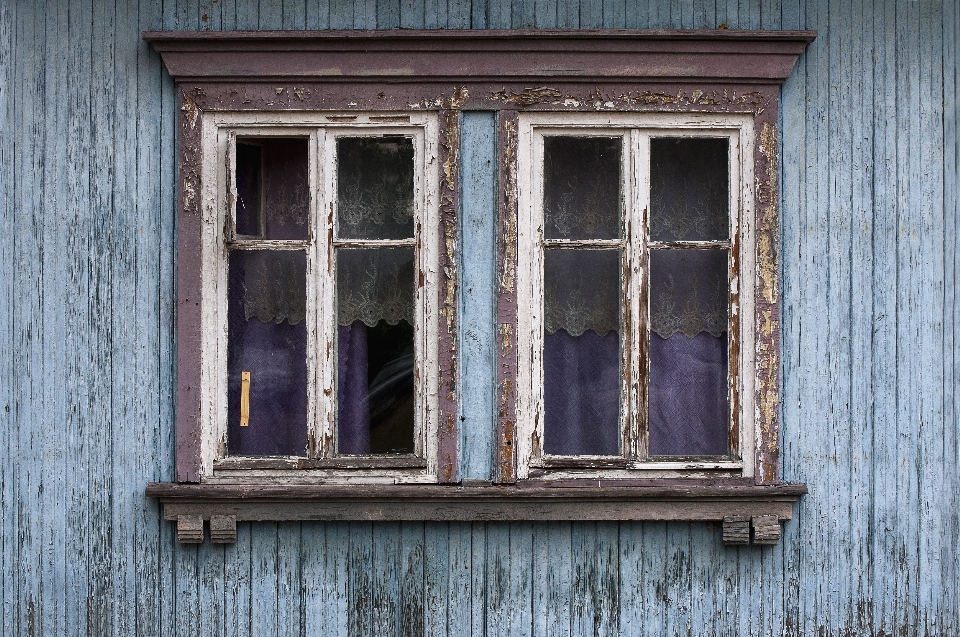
x=353, y=403
x=269, y=341
x=688, y=395
x=581, y=387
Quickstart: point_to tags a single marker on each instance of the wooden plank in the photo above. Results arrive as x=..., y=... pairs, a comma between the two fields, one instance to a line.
x=461, y=571
x=595, y=568
x=412, y=15
x=294, y=14
x=9, y=521
x=477, y=338
x=318, y=14
x=910, y=278
x=552, y=578
x=361, y=582
x=388, y=14
x=883, y=381
x=933, y=518
x=212, y=596
x=614, y=14
x=837, y=327
x=439, y=566
x=458, y=14
x=860, y=102
x=237, y=588
x=951, y=198
x=496, y=568
x=411, y=598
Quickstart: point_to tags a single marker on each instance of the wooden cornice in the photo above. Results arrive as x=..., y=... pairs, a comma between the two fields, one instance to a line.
x=482, y=56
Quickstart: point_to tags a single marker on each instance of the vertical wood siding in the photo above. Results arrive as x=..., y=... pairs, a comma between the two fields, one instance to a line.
x=870, y=420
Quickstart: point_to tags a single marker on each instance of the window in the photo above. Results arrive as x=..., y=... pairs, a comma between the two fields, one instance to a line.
x=320, y=253
x=633, y=237
x=319, y=297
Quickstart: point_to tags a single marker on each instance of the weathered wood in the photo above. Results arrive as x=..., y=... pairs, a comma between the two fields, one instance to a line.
x=848, y=564
x=453, y=56
x=190, y=528
x=736, y=529
x=223, y=529
x=487, y=503
x=766, y=529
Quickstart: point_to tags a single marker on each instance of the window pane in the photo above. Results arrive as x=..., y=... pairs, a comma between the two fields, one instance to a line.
x=581, y=352
x=689, y=189
x=374, y=188
x=272, y=179
x=581, y=187
x=688, y=353
x=375, y=352
x=266, y=343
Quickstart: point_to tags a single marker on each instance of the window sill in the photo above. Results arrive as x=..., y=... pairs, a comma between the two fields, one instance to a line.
x=740, y=505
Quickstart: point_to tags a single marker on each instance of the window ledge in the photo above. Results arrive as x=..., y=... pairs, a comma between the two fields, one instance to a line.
x=739, y=505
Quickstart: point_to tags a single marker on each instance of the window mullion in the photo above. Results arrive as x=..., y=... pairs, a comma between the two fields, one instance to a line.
x=639, y=306
x=325, y=322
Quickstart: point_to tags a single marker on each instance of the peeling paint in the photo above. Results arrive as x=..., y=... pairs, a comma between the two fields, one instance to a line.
x=527, y=97
x=190, y=109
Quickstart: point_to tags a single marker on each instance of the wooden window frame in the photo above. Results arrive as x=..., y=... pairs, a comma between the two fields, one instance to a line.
x=636, y=129
x=513, y=73
x=218, y=190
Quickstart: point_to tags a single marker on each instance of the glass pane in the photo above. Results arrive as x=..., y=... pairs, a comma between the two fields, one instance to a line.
x=581, y=352
x=688, y=402
x=272, y=178
x=581, y=187
x=689, y=189
x=249, y=193
x=375, y=307
x=374, y=188
x=266, y=353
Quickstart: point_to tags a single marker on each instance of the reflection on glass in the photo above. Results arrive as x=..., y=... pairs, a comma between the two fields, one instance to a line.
x=688, y=404
x=273, y=193
x=581, y=352
x=581, y=187
x=375, y=350
x=266, y=338
x=689, y=189
x=374, y=187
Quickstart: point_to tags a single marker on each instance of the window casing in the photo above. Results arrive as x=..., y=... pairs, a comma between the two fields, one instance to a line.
x=629, y=453
x=629, y=84
x=338, y=263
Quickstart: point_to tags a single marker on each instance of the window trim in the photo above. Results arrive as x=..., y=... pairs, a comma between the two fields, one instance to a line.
x=636, y=129
x=667, y=71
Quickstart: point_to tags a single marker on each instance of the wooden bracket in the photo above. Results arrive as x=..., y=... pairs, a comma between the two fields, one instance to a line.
x=736, y=529
x=766, y=529
x=223, y=529
x=190, y=529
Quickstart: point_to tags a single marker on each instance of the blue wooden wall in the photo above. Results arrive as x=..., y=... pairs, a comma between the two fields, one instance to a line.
x=870, y=315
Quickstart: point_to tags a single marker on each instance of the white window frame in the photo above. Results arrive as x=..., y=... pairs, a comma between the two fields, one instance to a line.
x=637, y=129
x=320, y=463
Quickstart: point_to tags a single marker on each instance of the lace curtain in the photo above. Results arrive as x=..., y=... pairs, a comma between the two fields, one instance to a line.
x=274, y=284
x=689, y=189
x=688, y=292
x=375, y=284
x=374, y=188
